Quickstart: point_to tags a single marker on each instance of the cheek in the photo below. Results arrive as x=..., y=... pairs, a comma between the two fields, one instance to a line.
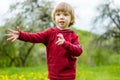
x=55, y=19
x=69, y=20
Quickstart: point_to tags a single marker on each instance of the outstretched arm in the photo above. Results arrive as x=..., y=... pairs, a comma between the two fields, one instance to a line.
x=13, y=35
x=39, y=37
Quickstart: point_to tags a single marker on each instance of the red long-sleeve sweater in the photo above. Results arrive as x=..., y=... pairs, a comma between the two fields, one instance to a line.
x=61, y=59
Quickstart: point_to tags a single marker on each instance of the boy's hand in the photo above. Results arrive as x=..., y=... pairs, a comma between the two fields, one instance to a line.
x=60, y=40
x=13, y=35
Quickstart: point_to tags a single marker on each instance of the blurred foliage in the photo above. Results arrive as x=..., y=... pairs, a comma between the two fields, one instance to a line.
x=106, y=46
x=30, y=16
x=93, y=54
x=109, y=18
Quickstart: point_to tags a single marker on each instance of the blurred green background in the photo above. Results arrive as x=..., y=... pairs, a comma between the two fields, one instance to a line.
x=23, y=60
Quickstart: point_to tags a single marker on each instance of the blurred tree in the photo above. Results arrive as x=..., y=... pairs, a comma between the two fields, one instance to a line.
x=30, y=15
x=109, y=17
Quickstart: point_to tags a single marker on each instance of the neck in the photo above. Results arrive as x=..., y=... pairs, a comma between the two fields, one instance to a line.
x=61, y=28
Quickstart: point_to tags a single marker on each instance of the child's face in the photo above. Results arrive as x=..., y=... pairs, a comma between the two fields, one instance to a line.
x=62, y=19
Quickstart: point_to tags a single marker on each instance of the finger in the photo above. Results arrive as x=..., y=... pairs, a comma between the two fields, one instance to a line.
x=14, y=39
x=10, y=39
x=8, y=35
x=57, y=43
x=58, y=40
x=11, y=30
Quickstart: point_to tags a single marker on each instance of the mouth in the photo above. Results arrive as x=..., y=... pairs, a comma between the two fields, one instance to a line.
x=62, y=22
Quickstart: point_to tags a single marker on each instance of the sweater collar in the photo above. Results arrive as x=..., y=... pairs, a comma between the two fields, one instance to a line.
x=64, y=30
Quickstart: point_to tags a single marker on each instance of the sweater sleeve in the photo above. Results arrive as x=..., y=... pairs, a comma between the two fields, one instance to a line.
x=74, y=48
x=40, y=37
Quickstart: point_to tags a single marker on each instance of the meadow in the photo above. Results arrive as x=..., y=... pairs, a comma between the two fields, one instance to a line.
x=111, y=72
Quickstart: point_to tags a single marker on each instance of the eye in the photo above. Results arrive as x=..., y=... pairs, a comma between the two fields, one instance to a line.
x=65, y=14
x=57, y=14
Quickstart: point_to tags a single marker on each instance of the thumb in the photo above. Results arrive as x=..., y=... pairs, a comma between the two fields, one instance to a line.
x=18, y=29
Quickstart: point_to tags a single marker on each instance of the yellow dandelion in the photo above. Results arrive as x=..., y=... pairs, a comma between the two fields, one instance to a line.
x=31, y=73
x=46, y=78
x=4, y=77
x=34, y=78
x=39, y=75
x=22, y=77
x=83, y=74
x=14, y=76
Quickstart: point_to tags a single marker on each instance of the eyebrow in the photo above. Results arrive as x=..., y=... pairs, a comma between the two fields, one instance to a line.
x=62, y=12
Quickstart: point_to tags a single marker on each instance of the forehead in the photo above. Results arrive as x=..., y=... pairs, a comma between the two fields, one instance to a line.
x=62, y=12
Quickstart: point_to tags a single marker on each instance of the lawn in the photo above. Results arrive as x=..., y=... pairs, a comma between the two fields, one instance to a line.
x=40, y=73
x=98, y=73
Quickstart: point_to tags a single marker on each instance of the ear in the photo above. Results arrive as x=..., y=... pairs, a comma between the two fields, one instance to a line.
x=71, y=21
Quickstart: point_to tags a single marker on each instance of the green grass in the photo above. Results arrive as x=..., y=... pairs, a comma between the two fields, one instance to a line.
x=98, y=73
x=40, y=73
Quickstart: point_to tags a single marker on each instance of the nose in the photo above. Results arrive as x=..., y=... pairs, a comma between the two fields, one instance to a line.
x=61, y=16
